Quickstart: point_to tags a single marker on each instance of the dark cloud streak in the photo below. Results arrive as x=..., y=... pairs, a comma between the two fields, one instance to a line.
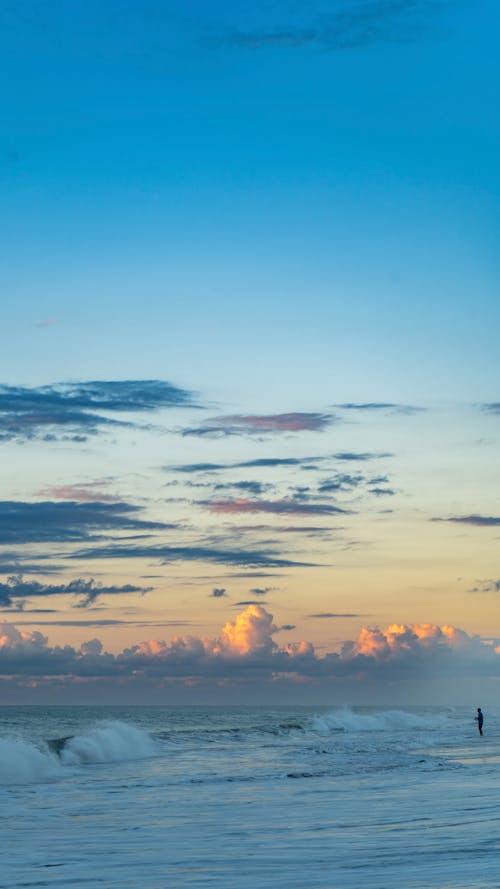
x=167, y=554
x=48, y=521
x=88, y=591
x=277, y=507
x=479, y=521
x=73, y=411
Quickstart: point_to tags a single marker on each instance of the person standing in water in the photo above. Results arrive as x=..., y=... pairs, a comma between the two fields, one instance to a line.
x=479, y=719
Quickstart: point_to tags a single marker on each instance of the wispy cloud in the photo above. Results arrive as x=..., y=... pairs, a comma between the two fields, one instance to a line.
x=306, y=463
x=486, y=586
x=278, y=507
x=245, y=603
x=341, y=481
x=47, y=521
x=87, y=591
x=261, y=463
x=166, y=554
x=287, y=529
x=380, y=406
x=80, y=492
x=327, y=615
x=359, y=456
x=259, y=424
x=47, y=322
x=19, y=563
x=250, y=487
x=95, y=622
x=73, y=411
x=276, y=462
x=354, y=25
x=481, y=521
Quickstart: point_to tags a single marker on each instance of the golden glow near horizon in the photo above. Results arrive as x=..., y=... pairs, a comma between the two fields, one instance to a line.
x=249, y=367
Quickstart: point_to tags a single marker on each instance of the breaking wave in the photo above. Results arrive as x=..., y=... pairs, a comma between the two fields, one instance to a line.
x=346, y=720
x=108, y=742
x=22, y=762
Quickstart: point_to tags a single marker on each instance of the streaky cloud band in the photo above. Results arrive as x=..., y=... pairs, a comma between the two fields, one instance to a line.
x=166, y=554
x=73, y=411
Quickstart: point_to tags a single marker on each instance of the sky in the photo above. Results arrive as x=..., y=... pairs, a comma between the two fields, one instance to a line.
x=249, y=388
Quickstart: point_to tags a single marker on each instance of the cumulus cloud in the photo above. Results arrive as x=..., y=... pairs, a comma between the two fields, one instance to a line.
x=28, y=653
x=258, y=424
x=73, y=411
x=251, y=632
x=246, y=648
x=409, y=650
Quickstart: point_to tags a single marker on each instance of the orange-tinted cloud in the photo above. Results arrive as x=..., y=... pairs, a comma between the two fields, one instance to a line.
x=400, y=639
x=251, y=631
x=245, y=650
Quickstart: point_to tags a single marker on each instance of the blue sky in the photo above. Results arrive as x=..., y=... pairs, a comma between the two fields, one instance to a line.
x=284, y=215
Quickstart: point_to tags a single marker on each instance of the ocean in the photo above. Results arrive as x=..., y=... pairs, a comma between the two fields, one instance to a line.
x=248, y=798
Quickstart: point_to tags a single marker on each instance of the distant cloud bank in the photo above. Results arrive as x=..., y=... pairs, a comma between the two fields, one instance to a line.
x=246, y=650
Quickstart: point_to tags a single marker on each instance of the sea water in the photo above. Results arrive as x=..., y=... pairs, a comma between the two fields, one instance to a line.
x=155, y=797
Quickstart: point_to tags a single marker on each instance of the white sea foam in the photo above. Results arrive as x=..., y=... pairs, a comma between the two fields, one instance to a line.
x=377, y=804
x=23, y=763
x=108, y=742
x=387, y=720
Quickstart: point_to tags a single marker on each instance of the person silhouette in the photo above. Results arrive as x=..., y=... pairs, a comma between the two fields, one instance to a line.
x=479, y=719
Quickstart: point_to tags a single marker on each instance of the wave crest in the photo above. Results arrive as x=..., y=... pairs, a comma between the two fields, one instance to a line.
x=346, y=720
x=107, y=742
x=23, y=763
